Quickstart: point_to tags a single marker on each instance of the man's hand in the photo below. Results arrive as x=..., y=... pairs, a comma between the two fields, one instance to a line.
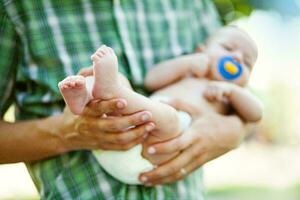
x=94, y=130
x=207, y=138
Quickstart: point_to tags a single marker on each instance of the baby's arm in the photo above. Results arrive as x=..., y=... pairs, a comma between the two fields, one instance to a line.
x=242, y=101
x=172, y=70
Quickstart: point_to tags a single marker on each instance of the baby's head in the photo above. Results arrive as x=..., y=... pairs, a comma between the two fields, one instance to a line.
x=233, y=42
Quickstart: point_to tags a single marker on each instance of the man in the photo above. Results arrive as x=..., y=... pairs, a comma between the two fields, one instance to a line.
x=44, y=41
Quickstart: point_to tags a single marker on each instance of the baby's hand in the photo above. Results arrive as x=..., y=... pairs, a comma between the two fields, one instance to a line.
x=218, y=91
x=198, y=66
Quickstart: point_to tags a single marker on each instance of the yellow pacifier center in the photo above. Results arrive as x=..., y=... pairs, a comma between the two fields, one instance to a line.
x=231, y=68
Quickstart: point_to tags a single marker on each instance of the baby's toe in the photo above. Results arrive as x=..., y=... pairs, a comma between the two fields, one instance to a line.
x=63, y=86
x=72, y=83
x=110, y=50
x=102, y=49
x=80, y=82
x=95, y=57
x=100, y=54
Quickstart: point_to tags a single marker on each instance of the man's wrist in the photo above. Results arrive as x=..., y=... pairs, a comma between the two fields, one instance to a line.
x=32, y=140
x=55, y=129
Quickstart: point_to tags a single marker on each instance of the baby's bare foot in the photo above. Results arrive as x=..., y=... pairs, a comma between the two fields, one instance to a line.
x=74, y=91
x=105, y=66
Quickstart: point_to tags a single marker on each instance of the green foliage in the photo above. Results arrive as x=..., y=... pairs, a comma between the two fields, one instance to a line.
x=230, y=10
x=233, y=9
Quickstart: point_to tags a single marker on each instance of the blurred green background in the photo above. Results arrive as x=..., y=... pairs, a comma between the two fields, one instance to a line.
x=231, y=10
x=266, y=166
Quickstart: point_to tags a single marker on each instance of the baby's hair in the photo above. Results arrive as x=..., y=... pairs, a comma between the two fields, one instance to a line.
x=233, y=26
x=229, y=26
x=199, y=47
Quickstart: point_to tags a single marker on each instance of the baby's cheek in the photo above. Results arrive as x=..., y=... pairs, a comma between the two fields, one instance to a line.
x=243, y=79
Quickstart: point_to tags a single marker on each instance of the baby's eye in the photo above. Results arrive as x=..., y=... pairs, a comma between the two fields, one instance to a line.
x=227, y=47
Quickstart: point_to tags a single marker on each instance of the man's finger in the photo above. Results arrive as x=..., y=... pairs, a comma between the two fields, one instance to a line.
x=169, y=179
x=119, y=124
x=182, y=173
x=121, y=147
x=98, y=108
x=130, y=135
x=171, y=167
x=171, y=146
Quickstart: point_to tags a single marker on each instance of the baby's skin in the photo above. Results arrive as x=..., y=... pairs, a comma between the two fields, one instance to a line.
x=106, y=84
x=212, y=87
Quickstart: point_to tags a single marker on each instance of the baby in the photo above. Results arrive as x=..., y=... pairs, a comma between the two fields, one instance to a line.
x=221, y=92
x=201, y=92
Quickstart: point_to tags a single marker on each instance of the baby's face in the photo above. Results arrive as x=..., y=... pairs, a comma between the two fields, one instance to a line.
x=233, y=42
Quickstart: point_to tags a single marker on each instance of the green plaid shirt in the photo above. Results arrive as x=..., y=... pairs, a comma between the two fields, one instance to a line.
x=42, y=42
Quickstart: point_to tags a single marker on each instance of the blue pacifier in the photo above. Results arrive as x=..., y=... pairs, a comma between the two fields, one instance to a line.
x=229, y=69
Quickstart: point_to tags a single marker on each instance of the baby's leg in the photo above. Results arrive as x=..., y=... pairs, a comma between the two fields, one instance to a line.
x=105, y=66
x=107, y=86
x=75, y=93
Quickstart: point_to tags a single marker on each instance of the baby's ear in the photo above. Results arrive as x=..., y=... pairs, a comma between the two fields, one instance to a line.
x=200, y=48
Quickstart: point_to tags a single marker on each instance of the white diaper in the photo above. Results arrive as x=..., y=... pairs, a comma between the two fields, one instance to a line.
x=126, y=166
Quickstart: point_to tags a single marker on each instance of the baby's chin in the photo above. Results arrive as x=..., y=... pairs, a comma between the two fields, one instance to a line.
x=240, y=82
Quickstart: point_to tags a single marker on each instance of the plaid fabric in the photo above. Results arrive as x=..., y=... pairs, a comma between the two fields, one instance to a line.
x=41, y=42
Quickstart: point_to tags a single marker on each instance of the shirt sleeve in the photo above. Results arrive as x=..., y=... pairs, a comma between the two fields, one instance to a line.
x=8, y=61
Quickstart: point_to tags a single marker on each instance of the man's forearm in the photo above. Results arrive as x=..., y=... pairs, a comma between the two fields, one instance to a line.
x=30, y=140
